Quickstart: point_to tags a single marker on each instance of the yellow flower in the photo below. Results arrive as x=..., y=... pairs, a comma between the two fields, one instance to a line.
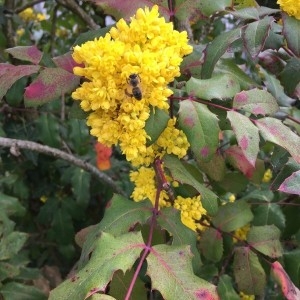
x=40, y=17
x=267, y=176
x=191, y=211
x=241, y=233
x=231, y=198
x=43, y=199
x=291, y=7
x=246, y=297
x=149, y=47
x=27, y=14
x=20, y=32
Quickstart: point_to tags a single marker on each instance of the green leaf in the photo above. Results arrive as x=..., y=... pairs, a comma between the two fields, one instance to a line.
x=50, y=84
x=265, y=239
x=292, y=264
x=225, y=289
x=109, y=255
x=252, y=13
x=7, y=270
x=220, y=86
x=291, y=31
x=181, y=174
x=201, y=128
x=275, y=88
x=11, y=205
x=211, y=244
x=156, y=124
x=290, y=76
x=246, y=134
x=255, y=34
x=11, y=244
x=170, y=267
x=256, y=102
x=216, y=49
x=291, y=184
x=248, y=272
x=120, y=217
x=210, y=7
x=275, y=131
x=79, y=135
x=48, y=130
x=232, y=216
x=18, y=291
x=170, y=220
x=81, y=186
x=26, y=53
x=267, y=214
x=91, y=35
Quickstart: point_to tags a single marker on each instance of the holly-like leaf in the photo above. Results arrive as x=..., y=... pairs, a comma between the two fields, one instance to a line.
x=81, y=186
x=292, y=264
x=50, y=84
x=65, y=62
x=170, y=219
x=182, y=175
x=48, y=130
x=237, y=159
x=290, y=76
x=211, y=244
x=216, y=49
x=291, y=184
x=169, y=267
x=26, y=53
x=220, y=86
x=275, y=131
x=289, y=290
x=9, y=74
x=265, y=239
x=120, y=217
x=226, y=290
x=11, y=205
x=156, y=124
x=255, y=35
x=256, y=102
x=201, y=128
x=291, y=32
x=12, y=244
x=248, y=272
x=246, y=134
x=232, y=216
x=109, y=254
x=253, y=13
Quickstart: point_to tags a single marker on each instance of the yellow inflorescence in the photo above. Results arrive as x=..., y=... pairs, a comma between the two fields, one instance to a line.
x=267, y=176
x=241, y=233
x=147, y=46
x=29, y=14
x=291, y=7
x=246, y=297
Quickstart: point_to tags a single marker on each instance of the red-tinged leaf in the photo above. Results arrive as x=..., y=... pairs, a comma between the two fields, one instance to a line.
x=255, y=35
x=233, y=216
x=211, y=244
x=182, y=175
x=246, y=134
x=248, y=272
x=216, y=49
x=126, y=8
x=9, y=74
x=256, y=102
x=103, y=154
x=66, y=62
x=27, y=53
x=275, y=131
x=265, y=239
x=109, y=254
x=201, y=128
x=220, y=86
x=291, y=185
x=50, y=84
x=171, y=273
x=291, y=32
x=289, y=290
x=237, y=158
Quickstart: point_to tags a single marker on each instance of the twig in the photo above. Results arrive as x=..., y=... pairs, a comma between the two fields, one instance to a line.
x=27, y=5
x=22, y=144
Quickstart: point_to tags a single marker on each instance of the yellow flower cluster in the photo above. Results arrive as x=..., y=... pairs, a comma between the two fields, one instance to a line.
x=241, y=233
x=291, y=7
x=191, y=211
x=29, y=14
x=148, y=47
x=267, y=176
x=246, y=297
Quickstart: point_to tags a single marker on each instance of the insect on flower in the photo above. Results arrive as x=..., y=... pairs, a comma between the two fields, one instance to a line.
x=134, y=81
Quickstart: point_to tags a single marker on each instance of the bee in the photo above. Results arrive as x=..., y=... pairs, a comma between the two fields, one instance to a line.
x=134, y=81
